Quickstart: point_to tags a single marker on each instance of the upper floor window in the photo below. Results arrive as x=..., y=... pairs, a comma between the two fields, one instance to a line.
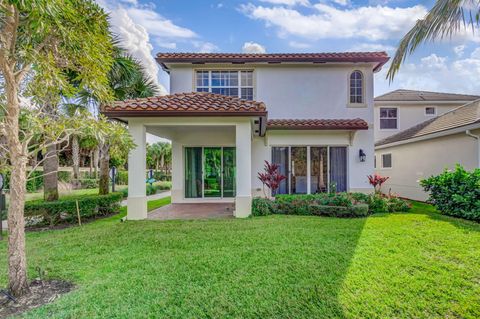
x=231, y=83
x=388, y=118
x=356, y=88
x=431, y=111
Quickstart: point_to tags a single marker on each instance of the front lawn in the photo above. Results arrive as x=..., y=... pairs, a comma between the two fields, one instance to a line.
x=419, y=265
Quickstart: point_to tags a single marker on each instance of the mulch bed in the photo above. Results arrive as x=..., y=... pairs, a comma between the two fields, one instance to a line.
x=41, y=293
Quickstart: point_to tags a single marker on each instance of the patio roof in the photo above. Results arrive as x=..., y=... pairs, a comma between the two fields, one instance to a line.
x=185, y=104
x=317, y=124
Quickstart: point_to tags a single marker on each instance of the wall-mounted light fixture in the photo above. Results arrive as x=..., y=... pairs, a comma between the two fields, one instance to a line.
x=362, y=156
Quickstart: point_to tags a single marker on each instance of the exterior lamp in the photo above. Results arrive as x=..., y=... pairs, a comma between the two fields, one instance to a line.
x=362, y=156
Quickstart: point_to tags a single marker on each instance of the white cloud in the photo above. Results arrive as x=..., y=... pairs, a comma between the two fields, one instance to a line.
x=326, y=21
x=371, y=47
x=436, y=73
x=157, y=25
x=204, y=47
x=341, y=2
x=299, y=45
x=252, y=47
x=166, y=45
x=288, y=2
x=459, y=50
x=135, y=39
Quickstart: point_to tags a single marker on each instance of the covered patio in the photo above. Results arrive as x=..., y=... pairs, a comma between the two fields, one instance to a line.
x=211, y=152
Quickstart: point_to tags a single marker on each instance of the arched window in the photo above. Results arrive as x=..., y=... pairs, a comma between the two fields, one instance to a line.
x=356, y=87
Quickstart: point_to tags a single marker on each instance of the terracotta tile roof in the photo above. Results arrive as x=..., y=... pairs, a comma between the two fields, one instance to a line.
x=461, y=116
x=185, y=104
x=379, y=57
x=421, y=96
x=317, y=124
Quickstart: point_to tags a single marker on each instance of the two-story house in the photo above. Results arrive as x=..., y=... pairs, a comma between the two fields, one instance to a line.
x=311, y=114
x=401, y=109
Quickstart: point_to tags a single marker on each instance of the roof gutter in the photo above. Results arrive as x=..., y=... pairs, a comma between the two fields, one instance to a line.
x=477, y=137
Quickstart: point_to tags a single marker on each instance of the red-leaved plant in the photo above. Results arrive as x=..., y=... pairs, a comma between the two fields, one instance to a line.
x=271, y=177
x=377, y=181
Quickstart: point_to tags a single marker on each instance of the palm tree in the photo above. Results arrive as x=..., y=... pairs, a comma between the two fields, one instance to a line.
x=445, y=19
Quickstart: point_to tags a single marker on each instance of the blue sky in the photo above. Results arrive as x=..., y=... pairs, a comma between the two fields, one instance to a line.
x=148, y=27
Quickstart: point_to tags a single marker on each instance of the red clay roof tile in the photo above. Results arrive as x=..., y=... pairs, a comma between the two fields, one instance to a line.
x=185, y=104
x=317, y=124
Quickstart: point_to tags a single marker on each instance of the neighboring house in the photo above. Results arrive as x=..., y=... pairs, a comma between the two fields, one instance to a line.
x=401, y=109
x=228, y=113
x=428, y=148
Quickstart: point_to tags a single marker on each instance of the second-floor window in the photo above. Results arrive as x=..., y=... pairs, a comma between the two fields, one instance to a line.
x=356, y=88
x=231, y=83
x=388, y=118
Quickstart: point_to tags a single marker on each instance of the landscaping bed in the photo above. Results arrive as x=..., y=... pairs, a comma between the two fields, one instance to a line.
x=329, y=204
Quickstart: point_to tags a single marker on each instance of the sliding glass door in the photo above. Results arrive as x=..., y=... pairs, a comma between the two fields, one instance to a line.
x=210, y=172
x=311, y=169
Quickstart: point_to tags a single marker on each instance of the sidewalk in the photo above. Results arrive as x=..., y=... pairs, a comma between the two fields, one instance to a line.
x=152, y=197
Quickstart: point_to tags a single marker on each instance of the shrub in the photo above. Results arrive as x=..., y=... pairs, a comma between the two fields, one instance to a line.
x=455, y=193
x=88, y=183
x=64, y=211
x=151, y=189
x=329, y=204
x=122, y=178
x=261, y=206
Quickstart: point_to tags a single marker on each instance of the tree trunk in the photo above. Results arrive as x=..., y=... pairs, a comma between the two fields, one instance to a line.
x=17, y=260
x=75, y=157
x=104, y=168
x=96, y=155
x=91, y=164
x=50, y=174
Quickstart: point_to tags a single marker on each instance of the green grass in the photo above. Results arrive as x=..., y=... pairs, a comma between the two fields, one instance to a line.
x=415, y=265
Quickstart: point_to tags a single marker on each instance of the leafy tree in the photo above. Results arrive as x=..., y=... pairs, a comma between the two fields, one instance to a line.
x=42, y=39
x=159, y=155
x=446, y=18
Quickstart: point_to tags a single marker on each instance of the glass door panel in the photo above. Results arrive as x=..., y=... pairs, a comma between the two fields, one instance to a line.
x=318, y=169
x=229, y=172
x=298, y=168
x=338, y=168
x=280, y=157
x=213, y=172
x=193, y=172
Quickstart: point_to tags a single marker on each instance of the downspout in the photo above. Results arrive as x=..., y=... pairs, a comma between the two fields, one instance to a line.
x=477, y=137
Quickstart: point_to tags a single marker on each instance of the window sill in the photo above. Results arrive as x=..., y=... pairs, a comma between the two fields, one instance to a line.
x=357, y=105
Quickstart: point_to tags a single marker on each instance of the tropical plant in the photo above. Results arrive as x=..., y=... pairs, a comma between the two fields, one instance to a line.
x=271, y=177
x=377, y=181
x=39, y=40
x=159, y=156
x=446, y=18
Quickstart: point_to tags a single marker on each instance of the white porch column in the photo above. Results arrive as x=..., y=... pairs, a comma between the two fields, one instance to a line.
x=243, y=139
x=177, y=172
x=137, y=199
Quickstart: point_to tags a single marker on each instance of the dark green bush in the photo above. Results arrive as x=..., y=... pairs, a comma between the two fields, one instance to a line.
x=64, y=211
x=261, y=206
x=89, y=183
x=329, y=204
x=455, y=193
x=34, y=183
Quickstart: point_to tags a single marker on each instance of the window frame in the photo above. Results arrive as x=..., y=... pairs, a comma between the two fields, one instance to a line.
x=397, y=118
x=383, y=162
x=430, y=107
x=239, y=87
x=349, y=87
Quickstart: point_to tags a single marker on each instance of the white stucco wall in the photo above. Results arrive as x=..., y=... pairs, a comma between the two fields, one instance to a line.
x=415, y=161
x=295, y=91
x=408, y=116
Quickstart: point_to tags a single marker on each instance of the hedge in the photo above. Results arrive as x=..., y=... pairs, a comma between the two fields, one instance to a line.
x=455, y=193
x=337, y=205
x=64, y=211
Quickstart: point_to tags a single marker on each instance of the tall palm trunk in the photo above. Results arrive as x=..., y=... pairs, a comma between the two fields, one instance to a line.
x=17, y=260
x=75, y=157
x=50, y=174
x=104, y=168
x=91, y=164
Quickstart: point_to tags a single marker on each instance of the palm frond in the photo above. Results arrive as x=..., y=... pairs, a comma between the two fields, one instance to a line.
x=445, y=19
